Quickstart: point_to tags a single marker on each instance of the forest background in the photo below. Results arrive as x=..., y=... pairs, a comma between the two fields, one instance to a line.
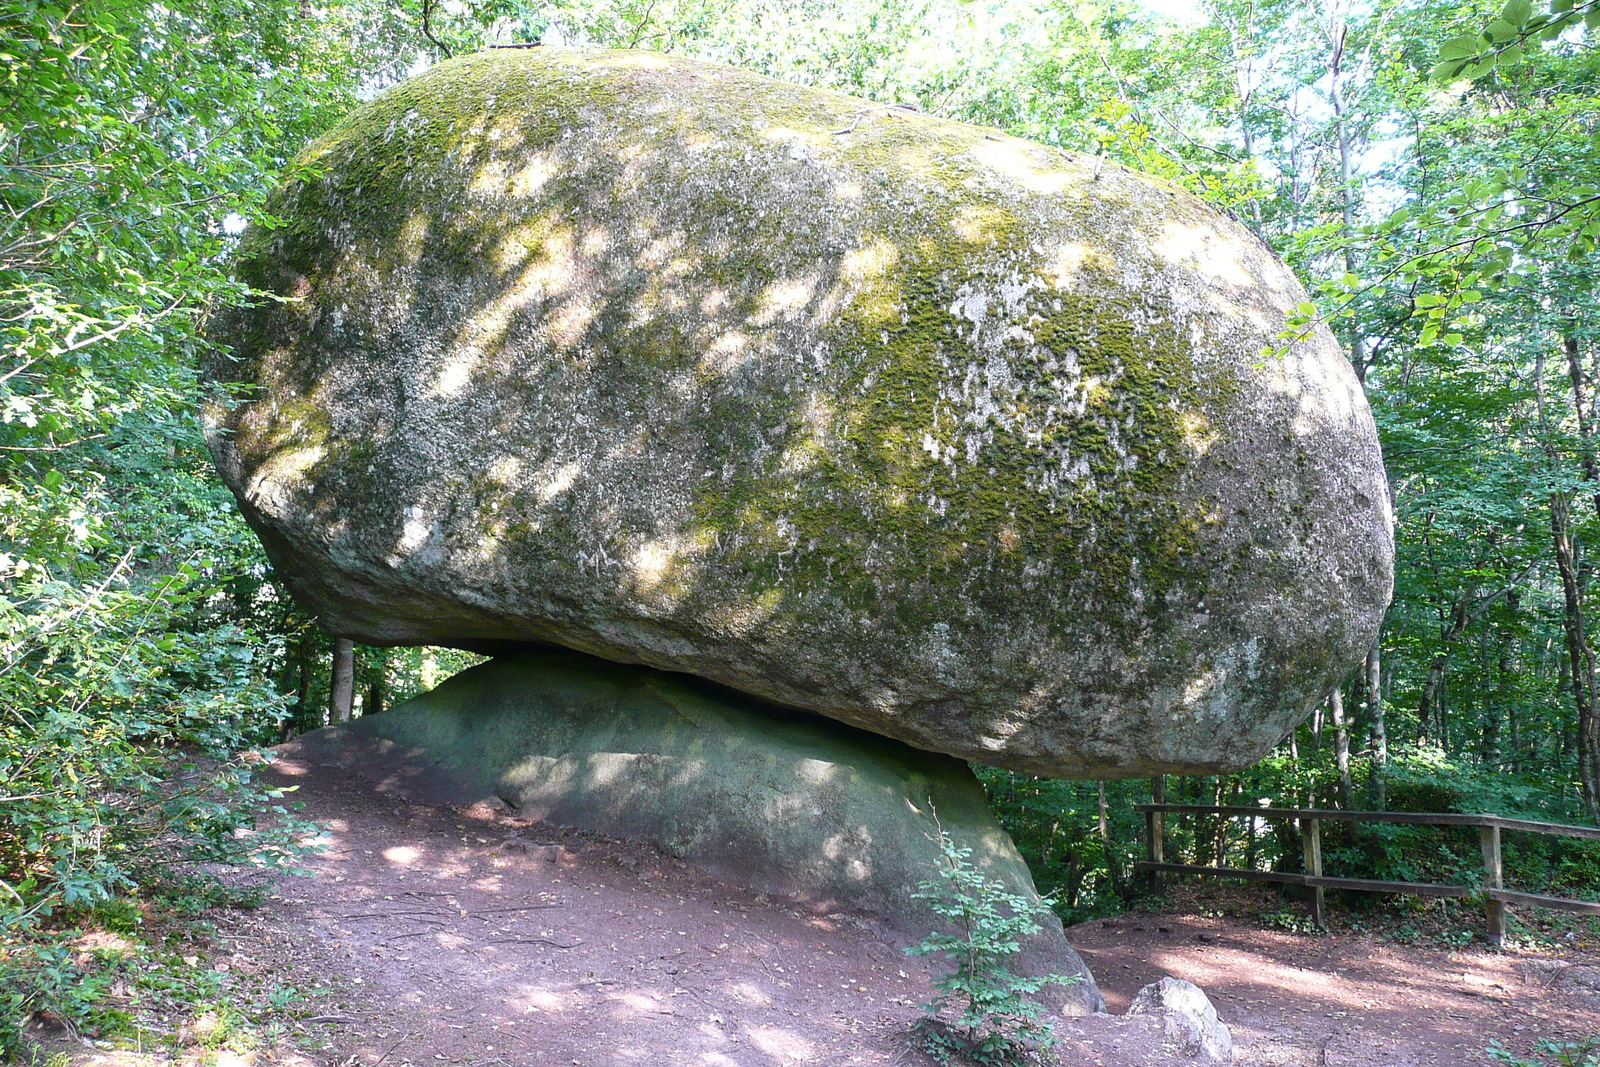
x=1430, y=167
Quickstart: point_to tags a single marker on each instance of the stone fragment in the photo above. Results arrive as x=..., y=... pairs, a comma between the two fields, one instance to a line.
x=1188, y=1020
x=960, y=439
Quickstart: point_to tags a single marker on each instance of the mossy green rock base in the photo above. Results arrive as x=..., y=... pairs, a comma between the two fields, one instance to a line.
x=782, y=801
x=960, y=439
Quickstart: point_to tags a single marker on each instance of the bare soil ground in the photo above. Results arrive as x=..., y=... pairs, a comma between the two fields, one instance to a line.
x=434, y=936
x=1349, y=1001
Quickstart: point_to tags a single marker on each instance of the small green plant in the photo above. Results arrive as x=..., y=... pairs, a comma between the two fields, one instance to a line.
x=1293, y=922
x=1552, y=1054
x=998, y=1021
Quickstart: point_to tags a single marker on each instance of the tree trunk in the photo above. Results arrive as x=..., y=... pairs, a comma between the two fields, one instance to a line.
x=1427, y=707
x=300, y=670
x=311, y=717
x=1579, y=651
x=342, y=685
x=1580, y=654
x=1158, y=795
x=1114, y=870
x=1208, y=828
x=377, y=683
x=1581, y=405
x=1341, y=745
x=1493, y=747
x=1338, y=30
x=1378, y=729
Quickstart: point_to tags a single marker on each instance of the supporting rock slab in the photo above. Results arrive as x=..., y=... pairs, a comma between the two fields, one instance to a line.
x=789, y=803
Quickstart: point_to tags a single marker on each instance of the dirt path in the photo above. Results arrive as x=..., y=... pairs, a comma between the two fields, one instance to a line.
x=432, y=936
x=1339, y=1001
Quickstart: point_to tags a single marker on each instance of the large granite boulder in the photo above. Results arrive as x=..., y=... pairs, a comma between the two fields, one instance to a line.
x=960, y=439
x=818, y=811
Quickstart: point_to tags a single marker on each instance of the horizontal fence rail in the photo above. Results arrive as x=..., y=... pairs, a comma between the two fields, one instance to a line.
x=1493, y=891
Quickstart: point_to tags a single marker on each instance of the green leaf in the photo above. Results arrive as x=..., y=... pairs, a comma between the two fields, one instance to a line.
x=1511, y=55
x=1463, y=47
x=1500, y=30
x=1429, y=333
x=1517, y=12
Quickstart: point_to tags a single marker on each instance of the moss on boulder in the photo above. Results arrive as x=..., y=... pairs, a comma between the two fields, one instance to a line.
x=960, y=439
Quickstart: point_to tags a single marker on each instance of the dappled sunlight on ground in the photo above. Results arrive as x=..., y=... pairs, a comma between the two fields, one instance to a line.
x=1338, y=1001
x=474, y=928
x=439, y=937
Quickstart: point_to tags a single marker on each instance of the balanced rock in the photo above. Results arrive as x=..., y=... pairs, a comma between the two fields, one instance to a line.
x=960, y=439
x=820, y=812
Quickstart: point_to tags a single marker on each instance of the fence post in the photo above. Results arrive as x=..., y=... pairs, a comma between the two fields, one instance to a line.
x=1493, y=878
x=1311, y=839
x=1155, y=830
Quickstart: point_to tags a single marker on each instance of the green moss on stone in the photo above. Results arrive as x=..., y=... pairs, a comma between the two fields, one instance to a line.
x=1120, y=525
x=874, y=498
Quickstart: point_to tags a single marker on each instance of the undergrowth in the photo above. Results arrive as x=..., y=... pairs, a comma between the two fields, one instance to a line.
x=998, y=1020
x=1083, y=854
x=134, y=972
x=1548, y=1053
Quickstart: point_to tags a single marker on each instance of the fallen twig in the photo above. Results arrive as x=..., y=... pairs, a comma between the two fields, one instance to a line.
x=404, y=1036
x=864, y=112
x=530, y=941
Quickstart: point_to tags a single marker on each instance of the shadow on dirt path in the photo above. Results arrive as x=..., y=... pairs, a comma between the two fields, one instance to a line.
x=1343, y=1001
x=433, y=936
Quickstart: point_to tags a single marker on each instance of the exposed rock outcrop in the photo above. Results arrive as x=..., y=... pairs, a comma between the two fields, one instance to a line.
x=959, y=439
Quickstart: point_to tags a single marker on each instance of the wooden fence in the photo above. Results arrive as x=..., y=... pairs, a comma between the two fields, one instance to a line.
x=1493, y=891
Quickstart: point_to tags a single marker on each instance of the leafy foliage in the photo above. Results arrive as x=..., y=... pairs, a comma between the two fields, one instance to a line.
x=1547, y=1053
x=998, y=1021
x=138, y=629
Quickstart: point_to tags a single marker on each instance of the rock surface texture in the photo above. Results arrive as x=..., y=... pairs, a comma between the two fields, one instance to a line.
x=788, y=803
x=1188, y=1020
x=956, y=438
